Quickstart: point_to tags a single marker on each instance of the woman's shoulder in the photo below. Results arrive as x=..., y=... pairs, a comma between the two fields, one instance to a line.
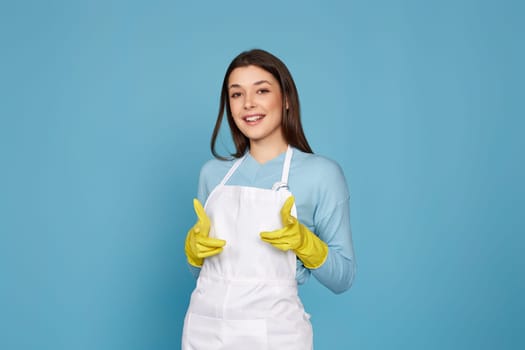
x=214, y=164
x=215, y=167
x=319, y=173
x=318, y=164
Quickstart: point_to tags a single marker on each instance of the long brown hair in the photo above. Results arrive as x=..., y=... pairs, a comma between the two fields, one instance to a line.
x=291, y=117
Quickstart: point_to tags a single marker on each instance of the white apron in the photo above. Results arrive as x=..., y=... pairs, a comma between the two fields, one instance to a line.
x=246, y=297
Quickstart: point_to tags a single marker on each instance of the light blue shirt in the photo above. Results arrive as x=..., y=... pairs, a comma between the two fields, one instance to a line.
x=322, y=200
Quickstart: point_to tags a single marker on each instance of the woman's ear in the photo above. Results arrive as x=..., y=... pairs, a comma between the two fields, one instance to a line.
x=286, y=102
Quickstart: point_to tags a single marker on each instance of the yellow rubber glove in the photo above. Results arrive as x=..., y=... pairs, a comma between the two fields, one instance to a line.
x=198, y=245
x=295, y=236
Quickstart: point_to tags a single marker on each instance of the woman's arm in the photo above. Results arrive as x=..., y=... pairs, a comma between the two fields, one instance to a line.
x=338, y=271
x=324, y=207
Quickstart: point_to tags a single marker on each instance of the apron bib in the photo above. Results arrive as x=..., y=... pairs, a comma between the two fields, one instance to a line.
x=246, y=297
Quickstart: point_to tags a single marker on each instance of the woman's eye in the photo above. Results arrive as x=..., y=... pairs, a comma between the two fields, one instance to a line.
x=235, y=94
x=263, y=91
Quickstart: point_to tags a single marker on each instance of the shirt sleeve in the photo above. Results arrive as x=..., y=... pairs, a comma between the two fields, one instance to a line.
x=332, y=225
x=202, y=195
x=203, y=190
x=210, y=175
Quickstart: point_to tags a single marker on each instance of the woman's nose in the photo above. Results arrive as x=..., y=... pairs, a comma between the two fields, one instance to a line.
x=249, y=102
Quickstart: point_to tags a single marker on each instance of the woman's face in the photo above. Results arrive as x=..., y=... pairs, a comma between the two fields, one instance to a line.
x=256, y=104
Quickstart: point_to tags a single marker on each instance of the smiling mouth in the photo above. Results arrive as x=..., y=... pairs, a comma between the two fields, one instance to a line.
x=253, y=118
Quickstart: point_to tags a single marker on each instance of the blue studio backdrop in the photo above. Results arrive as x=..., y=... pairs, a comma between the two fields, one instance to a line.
x=107, y=108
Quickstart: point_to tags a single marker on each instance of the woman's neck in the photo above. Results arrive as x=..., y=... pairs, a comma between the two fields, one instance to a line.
x=262, y=152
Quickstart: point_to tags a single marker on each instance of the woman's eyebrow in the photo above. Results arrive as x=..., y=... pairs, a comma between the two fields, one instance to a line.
x=262, y=82
x=256, y=83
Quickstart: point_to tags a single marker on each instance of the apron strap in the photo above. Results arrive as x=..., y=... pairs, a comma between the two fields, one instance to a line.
x=286, y=165
x=283, y=184
x=232, y=170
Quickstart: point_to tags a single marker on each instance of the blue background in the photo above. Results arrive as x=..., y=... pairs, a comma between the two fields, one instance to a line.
x=106, y=111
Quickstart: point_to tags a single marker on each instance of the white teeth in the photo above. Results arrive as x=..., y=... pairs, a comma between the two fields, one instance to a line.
x=254, y=118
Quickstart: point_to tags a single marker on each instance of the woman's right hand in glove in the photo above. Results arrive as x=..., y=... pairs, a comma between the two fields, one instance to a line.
x=198, y=245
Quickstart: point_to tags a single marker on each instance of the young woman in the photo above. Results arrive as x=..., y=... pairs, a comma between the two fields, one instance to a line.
x=253, y=241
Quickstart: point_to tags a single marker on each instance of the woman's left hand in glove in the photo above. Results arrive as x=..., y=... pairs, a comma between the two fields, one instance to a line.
x=309, y=248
